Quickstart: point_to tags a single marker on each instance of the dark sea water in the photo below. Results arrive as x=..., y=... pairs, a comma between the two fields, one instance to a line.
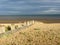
x=20, y=17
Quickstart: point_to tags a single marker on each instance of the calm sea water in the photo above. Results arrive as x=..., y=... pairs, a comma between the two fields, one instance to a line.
x=14, y=17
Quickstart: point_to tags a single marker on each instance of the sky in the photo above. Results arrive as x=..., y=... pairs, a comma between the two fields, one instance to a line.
x=18, y=7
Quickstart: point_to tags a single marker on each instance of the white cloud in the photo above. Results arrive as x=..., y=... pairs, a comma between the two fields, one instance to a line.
x=50, y=6
x=51, y=11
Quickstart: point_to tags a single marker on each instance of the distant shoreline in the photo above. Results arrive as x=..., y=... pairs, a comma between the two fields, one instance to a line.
x=22, y=18
x=27, y=17
x=39, y=20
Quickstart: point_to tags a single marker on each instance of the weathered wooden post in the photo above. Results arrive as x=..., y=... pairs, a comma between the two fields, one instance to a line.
x=28, y=23
x=25, y=23
x=33, y=21
x=12, y=27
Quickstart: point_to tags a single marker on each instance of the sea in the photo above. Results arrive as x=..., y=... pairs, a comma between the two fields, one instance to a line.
x=20, y=17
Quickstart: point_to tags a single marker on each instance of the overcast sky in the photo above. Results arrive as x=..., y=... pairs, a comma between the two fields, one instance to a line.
x=12, y=7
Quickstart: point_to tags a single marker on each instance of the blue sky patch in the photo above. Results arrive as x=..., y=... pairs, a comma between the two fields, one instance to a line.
x=14, y=7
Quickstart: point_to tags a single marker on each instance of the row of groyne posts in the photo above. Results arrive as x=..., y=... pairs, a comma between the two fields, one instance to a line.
x=15, y=26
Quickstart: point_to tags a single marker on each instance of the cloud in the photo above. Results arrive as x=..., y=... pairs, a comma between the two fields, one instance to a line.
x=51, y=11
x=29, y=6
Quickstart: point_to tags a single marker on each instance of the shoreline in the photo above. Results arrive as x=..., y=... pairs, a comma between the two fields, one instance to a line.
x=23, y=20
